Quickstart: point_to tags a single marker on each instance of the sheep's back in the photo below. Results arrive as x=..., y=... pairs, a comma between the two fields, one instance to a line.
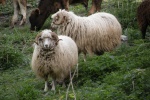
x=98, y=32
x=69, y=48
x=67, y=57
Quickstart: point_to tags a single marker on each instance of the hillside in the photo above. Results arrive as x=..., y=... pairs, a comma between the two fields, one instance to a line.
x=123, y=74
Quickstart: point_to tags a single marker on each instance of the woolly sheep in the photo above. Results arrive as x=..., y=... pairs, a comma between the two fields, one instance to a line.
x=95, y=34
x=143, y=16
x=54, y=56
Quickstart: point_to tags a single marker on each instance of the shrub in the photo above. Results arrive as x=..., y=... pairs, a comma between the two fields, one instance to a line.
x=137, y=82
x=124, y=10
x=10, y=57
x=27, y=92
x=97, y=68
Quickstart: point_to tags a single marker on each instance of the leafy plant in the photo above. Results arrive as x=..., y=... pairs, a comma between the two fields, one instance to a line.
x=122, y=74
x=10, y=57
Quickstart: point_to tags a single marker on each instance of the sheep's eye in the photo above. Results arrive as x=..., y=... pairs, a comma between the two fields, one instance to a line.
x=53, y=37
x=40, y=39
x=56, y=18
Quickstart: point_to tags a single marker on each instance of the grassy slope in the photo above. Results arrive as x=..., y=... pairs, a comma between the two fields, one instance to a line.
x=119, y=75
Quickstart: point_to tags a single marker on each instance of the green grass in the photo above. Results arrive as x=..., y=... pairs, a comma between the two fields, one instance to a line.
x=119, y=75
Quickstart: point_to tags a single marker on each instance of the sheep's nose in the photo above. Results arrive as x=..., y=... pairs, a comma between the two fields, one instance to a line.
x=46, y=45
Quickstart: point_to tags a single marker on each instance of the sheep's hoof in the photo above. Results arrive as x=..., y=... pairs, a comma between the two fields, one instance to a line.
x=11, y=27
x=13, y=24
x=22, y=22
x=53, y=89
x=46, y=89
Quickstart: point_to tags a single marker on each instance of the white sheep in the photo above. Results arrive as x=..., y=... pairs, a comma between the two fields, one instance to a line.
x=95, y=34
x=54, y=56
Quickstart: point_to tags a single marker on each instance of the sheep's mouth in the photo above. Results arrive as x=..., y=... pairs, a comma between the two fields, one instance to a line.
x=48, y=48
x=54, y=26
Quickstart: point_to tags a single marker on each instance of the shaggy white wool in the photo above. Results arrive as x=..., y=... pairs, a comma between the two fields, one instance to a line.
x=94, y=34
x=55, y=60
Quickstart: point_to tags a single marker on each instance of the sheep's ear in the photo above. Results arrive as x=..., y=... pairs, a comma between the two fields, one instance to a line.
x=53, y=16
x=55, y=37
x=66, y=19
x=37, y=11
x=37, y=38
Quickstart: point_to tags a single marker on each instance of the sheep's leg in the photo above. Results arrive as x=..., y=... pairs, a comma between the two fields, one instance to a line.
x=143, y=29
x=63, y=84
x=93, y=8
x=53, y=85
x=46, y=83
x=3, y=2
x=23, y=12
x=66, y=4
x=15, y=16
x=98, y=5
x=46, y=86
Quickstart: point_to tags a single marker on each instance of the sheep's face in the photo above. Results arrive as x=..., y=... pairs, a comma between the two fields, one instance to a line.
x=39, y=15
x=47, y=40
x=59, y=18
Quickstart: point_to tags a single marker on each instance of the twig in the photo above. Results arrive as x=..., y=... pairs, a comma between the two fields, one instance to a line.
x=77, y=69
x=71, y=84
x=133, y=85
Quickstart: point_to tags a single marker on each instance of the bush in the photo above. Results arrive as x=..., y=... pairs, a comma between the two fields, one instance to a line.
x=10, y=57
x=97, y=68
x=124, y=10
x=27, y=92
x=137, y=82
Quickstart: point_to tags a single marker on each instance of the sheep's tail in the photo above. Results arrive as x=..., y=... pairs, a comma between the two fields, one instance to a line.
x=71, y=84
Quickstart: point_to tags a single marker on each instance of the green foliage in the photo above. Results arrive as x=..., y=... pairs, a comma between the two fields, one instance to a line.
x=14, y=46
x=10, y=57
x=124, y=10
x=119, y=75
x=132, y=34
x=27, y=92
x=97, y=68
x=137, y=82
